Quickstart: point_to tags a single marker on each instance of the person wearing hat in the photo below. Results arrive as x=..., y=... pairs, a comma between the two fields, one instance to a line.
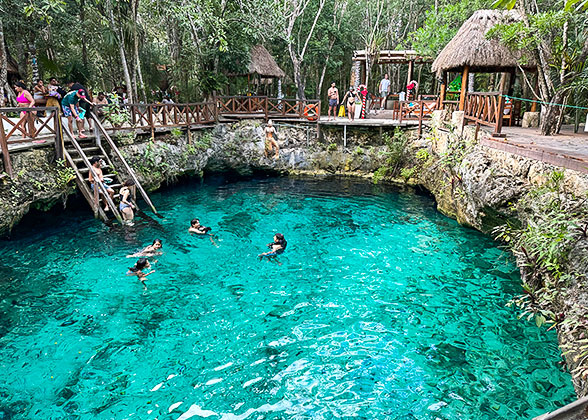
x=270, y=142
x=70, y=105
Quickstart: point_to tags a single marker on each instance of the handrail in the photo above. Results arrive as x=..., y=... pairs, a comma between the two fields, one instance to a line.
x=84, y=188
x=124, y=162
x=94, y=175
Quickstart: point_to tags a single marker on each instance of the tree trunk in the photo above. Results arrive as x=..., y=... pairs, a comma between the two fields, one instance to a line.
x=3, y=65
x=82, y=24
x=117, y=30
x=296, y=66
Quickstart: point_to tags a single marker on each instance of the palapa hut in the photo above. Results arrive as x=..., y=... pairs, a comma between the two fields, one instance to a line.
x=262, y=69
x=471, y=51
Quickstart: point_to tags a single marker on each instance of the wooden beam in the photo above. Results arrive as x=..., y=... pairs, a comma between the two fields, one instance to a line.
x=443, y=90
x=464, y=86
x=410, y=69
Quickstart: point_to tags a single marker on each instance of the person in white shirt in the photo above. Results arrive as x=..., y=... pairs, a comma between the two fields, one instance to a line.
x=384, y=90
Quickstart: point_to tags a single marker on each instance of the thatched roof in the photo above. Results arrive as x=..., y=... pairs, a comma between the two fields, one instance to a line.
x=263, y=63
x=471, y=47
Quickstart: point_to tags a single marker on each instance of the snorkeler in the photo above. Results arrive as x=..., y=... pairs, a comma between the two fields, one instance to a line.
x=277, y=247
x=149, y=251
x=136, y=270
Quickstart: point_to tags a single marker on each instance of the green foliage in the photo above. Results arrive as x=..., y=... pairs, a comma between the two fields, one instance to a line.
x=125, y=138
x=332, y=147
x=204, y=141
x=423, y=155
x=441, y=25
x=64, y=175
x=358, y=151
x=407, y=173
x=176, y=133
x=116, y=114
x=396, y=155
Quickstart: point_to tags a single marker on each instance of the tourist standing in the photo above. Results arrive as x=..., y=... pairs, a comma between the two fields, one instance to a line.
x=126, y=205
x=363, y=96
x=350, y=96
x=24, y=100
x=411, y=89
x=85, y=105
x=333, y=95
x=69, y=105
x=384, y=91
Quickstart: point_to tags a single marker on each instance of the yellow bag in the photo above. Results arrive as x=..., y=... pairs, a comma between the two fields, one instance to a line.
x=341, y=111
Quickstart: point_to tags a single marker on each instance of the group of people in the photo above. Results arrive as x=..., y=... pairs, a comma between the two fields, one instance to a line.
x=75, y=102
x=353, y=96
x=276, y=248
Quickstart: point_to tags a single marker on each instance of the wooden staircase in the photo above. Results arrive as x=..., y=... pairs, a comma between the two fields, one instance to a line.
x=77, y=153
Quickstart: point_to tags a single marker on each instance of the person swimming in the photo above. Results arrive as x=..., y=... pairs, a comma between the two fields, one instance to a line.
x=197, y=228
x=137, y=270
x=277, y=247
x=149, y=251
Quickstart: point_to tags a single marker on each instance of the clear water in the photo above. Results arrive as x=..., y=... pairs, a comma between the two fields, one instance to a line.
x=382, y=309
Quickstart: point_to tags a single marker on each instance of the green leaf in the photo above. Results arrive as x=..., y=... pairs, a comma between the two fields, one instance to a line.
x=504, y=4
x=539, y=320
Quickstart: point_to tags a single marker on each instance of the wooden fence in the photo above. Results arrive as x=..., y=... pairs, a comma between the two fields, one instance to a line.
x=268, y=107
x=414, y=110
x=24, y=125
x=484, y=108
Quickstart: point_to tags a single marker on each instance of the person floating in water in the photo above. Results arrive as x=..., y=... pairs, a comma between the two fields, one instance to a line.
x=149, y=251
x=198, y=229
x=137, y=270
x=277, y=247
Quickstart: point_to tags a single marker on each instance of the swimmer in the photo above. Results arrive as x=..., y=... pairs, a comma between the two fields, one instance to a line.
x=198, y=229
x=149, y=251
x=277, y=247
x=136, y=270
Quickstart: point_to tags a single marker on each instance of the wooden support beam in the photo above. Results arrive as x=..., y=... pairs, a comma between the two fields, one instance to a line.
x=443, y=90
x=464, y=85
x=409, y=76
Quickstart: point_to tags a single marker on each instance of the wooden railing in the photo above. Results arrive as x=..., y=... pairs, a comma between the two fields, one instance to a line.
x=153, y=116
x=268, y=107
x=24, y=125
x=484, y=108
x=414, y=110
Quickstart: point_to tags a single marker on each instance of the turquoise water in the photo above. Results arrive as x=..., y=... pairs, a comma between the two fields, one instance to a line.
x=382, y=309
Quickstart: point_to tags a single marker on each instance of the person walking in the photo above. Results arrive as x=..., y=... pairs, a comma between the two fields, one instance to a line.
x=384, y=91
x=333, y=95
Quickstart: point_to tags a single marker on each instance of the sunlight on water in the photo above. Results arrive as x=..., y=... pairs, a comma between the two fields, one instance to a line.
x=382, y=309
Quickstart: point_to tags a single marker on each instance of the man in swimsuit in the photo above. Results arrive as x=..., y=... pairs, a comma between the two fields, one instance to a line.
x=71, y=109
x=333, y=95
x=270, y=142
x=96, y=166
x=277, y=247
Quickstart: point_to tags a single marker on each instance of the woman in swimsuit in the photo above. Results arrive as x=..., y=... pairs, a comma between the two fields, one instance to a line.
x=277, y=247
x=149, y=251
x=136, y=270
x=350, y=96
x=40, y=92
x=25, y=100
x=126, y=206
x=270, y=142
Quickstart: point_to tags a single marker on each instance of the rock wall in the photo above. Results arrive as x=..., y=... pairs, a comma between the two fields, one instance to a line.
x=39, y=182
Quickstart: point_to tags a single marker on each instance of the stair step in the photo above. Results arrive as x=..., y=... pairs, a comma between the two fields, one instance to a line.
x=85, y=170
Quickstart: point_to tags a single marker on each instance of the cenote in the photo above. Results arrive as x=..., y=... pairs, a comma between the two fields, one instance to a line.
x=382, y=309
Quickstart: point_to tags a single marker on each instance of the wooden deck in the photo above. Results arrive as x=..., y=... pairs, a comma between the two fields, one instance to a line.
x=567, y=149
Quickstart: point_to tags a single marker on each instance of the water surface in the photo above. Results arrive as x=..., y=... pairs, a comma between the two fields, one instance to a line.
x=382, y=309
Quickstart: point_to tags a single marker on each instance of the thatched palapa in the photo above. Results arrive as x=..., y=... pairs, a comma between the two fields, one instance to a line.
x=263, y=64
x=470, y=47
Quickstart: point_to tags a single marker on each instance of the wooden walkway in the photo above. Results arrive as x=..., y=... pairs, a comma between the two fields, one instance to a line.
x=568, y=149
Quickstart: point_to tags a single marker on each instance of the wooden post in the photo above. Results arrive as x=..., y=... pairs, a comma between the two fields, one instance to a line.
x=443, y=91
x=59, y=146
x=464, y=85
x=151, y=123
x=5, y=153
x=421, y=118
